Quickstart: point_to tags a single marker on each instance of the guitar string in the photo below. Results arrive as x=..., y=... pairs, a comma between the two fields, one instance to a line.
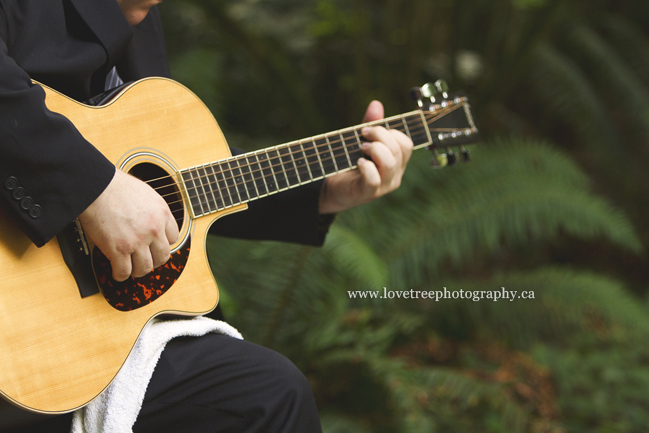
x=254, y=177
x=222, y=194
x=223, y=197
x=222, y=188
x=226, y=195
x=291, y=144
x=417, y=130
x=321, y=156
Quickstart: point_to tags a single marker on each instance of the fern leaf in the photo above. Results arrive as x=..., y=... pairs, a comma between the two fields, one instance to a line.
x=519, y=192
x=610, y=73
x=351, y=254
x=565, y=91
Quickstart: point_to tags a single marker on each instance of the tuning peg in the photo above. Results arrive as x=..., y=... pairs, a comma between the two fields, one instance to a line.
x=441, y=88
x=451, y=157
x=438, y=160
x=429, y=91
x=416, y=95
x=466, y=155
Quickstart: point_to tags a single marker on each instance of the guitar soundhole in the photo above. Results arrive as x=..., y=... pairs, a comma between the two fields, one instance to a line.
x=165, y=185
x=135, y=293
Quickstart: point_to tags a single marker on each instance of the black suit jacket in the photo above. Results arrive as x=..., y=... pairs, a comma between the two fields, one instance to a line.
x=49, y=173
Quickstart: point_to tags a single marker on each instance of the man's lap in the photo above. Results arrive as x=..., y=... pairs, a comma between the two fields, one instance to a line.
x=217, y=383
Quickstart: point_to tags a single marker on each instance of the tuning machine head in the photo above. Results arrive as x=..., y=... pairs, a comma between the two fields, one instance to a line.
x=439, y=160
x=451, y=157
x=466, y=155
x=428, y=94
x=442, y=88
x=453, y=122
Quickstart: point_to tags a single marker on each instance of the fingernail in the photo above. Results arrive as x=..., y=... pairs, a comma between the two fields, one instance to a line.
x=366, y=145
x=366, y=130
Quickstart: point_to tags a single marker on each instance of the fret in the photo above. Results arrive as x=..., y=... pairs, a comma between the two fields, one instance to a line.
x=340, y=156
x=310, y=159
x=350, y=143
x=300, y=162
x=325, y=155
x=233, y=179
x=249, y=176
x=299, y=158
x=397, y=124
x=239, y=181
x=266, y=173
x=277, y=167
x=288, y=166
x=200, y=190
x=405, y=127
x=419, y=130
x=222, y=175
x=344, y=146
x=313, y=159
x=356, y=151
x=192, y=193
x=213, y=180
x=207, y=188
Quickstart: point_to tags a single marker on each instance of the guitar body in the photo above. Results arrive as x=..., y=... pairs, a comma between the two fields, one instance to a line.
x=58, y=350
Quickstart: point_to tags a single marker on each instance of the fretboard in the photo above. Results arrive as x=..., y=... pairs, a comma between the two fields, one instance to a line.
x=220, y=185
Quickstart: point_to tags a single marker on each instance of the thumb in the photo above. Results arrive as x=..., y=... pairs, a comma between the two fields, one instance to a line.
x=374, y=112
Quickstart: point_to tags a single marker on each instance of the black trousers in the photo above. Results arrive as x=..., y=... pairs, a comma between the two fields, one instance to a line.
x=216, y=383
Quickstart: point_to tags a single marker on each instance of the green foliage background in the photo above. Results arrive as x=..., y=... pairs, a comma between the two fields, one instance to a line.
x=554, y=201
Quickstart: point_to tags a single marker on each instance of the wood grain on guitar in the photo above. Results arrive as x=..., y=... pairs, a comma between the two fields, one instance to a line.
x=59, y=350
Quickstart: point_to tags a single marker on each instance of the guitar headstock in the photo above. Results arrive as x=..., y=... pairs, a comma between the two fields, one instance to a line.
x=449, y=120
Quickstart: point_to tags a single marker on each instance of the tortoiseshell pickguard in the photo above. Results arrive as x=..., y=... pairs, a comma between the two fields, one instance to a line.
x=137, y=292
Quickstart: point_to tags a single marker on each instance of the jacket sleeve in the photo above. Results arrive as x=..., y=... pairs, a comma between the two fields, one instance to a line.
x=49, y=174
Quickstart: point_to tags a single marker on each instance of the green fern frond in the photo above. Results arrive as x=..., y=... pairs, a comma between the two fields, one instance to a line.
x=422, y=395
x=565, y=302
x=515, y=192
x=610, y=73
x=630, y=43
x=265, y=281
x=352, y=255
x=567, y=96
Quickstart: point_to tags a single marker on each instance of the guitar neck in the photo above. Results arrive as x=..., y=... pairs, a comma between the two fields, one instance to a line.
x=220, y=185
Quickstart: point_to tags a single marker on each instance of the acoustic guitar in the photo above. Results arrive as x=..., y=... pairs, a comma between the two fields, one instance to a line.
x=66, y=327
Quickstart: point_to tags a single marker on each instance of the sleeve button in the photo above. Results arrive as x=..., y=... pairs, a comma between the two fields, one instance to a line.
x=19, y=193
x=36, y=211
x=27, y=203
x=11, y=183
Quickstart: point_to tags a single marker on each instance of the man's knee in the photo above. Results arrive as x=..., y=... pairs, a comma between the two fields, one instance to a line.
x=289, y=380
x=291, y=398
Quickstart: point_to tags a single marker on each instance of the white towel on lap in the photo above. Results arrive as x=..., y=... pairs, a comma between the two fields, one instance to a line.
x=115, y=410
